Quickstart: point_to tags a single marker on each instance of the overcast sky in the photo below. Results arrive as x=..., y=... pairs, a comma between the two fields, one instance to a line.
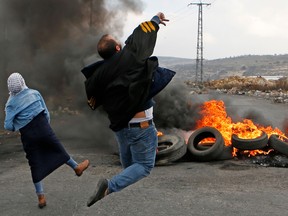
x=230, y=27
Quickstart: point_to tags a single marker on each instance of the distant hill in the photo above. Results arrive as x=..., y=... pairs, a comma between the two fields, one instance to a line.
x=248, y=65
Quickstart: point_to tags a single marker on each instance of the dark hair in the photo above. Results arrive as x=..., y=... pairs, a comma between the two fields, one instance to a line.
x=106, y=46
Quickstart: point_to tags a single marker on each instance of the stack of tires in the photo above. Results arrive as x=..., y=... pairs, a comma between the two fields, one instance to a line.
x=171, y=148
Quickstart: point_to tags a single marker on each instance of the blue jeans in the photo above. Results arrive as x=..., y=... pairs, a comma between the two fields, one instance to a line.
x=137, y=148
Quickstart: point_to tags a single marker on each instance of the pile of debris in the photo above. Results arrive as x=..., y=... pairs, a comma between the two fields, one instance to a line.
x=274, y=90
x=241, y=83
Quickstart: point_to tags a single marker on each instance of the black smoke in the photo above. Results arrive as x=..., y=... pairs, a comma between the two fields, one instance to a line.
x=49, y=42
x=176, y=108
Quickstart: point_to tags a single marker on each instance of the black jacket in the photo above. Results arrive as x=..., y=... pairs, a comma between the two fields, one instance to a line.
x=121, y=84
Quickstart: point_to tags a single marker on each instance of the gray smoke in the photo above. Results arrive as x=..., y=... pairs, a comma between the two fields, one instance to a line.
x=258, y=118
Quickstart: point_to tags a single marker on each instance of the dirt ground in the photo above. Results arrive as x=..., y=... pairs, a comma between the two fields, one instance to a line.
x=231, y=187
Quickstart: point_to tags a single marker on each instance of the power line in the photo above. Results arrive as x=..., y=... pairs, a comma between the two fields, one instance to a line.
x=199, y=57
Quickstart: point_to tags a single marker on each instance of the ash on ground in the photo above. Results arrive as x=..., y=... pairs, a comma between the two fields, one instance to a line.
x=271, y=160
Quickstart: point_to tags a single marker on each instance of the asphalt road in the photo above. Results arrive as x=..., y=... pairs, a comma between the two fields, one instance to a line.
x=231, y=187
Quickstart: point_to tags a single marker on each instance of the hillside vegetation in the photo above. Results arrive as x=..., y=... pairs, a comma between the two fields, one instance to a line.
x=248, y=65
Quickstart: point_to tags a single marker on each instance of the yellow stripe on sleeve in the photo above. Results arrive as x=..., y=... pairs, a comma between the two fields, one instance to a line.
x=143, y=28
x=147, y=26
x=151, y=25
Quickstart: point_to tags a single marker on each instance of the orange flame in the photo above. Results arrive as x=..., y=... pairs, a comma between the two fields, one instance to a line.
x=214, y=115
x=159, y=133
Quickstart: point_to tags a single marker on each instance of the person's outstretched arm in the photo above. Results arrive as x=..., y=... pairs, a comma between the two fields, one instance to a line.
x=143, y=39
x=9, y=117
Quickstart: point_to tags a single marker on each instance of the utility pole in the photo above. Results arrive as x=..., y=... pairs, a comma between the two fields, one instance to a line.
x=199, y=58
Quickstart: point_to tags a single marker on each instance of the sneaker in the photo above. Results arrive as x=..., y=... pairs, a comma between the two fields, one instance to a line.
x=41, y=201
x=81, y=167
x=100, y=192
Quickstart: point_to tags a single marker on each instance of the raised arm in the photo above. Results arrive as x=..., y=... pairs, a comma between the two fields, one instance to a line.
x=9, y=117
x=143, y=39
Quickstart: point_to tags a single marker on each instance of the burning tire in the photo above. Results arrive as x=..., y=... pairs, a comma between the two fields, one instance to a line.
x=170, y=149
x=279, y=145
x=210, y=153
x=250, y=144
x=204, y=146
x=226, y=154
